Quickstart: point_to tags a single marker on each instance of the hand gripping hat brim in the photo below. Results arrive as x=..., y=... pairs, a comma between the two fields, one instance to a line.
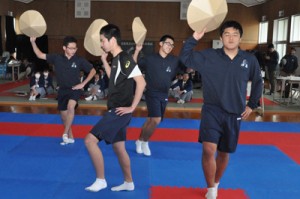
x=206, y=13
x=139, y=31
x=32, y=24
x=92, y=37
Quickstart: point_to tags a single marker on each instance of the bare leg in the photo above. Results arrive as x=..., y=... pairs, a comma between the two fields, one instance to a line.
x=222, y=162
x=68, y=117
x=149, y=127
x=124, y=161
x=91, y=143
x=209, y=163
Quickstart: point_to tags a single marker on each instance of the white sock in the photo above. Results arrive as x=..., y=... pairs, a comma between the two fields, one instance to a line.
x=211, y=193
x=217, y=186
x=97, y=185
x=126, y=186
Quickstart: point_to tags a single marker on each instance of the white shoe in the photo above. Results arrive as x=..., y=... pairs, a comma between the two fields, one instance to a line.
x=30, y=98
x=180, y=101
x=126, y=186
x=94, y=98
x=146, y=149
x=89, y=98
x=138, y=148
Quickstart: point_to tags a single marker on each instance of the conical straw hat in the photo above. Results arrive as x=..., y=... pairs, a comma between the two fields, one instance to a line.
x=92, y=37
x=139, y=31
x=32, y=24
x=206, y=13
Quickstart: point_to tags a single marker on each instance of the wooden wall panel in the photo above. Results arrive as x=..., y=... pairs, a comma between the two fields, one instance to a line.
x=159, y=18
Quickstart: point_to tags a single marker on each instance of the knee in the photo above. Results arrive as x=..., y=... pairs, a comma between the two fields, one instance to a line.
x=223, y=155
x=155, y=121
x=89, y=141
x=209, y=151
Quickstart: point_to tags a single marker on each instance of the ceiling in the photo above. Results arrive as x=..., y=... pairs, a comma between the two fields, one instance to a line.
x=247, y=3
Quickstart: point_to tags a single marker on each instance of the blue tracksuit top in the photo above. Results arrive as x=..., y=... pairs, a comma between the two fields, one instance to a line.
x=159, y=71
x=224, y=80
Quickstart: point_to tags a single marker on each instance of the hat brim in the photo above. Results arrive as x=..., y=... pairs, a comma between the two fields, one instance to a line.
x=32, y=24
x=207, y=14
x=139, y=31
x=92, y=37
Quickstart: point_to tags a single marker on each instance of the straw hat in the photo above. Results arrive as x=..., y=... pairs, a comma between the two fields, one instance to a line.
x=206, y=13
x=32, y=24
x=139, y=31
x=92, y=37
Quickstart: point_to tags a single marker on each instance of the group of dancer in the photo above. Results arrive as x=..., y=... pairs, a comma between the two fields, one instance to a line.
x=225, y=73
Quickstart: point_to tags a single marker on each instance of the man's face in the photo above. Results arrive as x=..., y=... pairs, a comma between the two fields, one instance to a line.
x=70, y=49
x=185, y=77
x=293, y=52
x=167, y=45
x=231, y=38
x=105, y=44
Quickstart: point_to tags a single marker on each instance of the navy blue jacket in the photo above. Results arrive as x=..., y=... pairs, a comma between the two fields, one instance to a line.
x=188, y=86
x=224, y=80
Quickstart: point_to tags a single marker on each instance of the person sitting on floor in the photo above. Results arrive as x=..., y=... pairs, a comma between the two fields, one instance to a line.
x=26, y=69
x=182, y=90
x=177, y=78
x=37, y=86
x=97, y=88
x=48, y=80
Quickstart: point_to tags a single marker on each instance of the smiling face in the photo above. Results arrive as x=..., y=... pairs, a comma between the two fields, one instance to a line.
x=166, y=47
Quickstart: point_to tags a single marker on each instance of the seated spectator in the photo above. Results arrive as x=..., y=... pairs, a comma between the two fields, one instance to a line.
x=177, y=78
x=288, y=66
x=182, y=90
x=37, y=86
x=97, y=88
x=289, y=63
x=48, y=80
x=26, y=69
x=82, y=77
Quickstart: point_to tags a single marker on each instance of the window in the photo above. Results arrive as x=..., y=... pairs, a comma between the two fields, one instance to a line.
x=280, y=30
x=263, y=32
x=295, y=28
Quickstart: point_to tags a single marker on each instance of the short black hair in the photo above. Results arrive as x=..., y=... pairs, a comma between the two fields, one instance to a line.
x=165, y=37
x=231, y=24
x=69, y=39
x=270, y=46
x=109, y=31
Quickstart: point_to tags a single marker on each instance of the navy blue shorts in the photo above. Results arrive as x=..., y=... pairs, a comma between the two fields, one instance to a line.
x=64, y=95
x=112, y=128
x=219, y=127
x=156, y=104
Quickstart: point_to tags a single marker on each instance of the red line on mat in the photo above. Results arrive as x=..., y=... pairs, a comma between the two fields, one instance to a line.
x=288, y=143
x=160, y=192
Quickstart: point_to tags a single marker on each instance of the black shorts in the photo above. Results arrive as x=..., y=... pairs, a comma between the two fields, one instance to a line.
x=112, y=128
x=156, y=104
x=64, y=95
x=220, y=127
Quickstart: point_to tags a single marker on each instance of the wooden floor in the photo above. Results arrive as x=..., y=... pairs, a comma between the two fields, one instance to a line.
x=269, y=116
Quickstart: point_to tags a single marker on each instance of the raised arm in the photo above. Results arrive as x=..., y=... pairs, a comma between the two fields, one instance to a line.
x=36, y=50
x=138, y=48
